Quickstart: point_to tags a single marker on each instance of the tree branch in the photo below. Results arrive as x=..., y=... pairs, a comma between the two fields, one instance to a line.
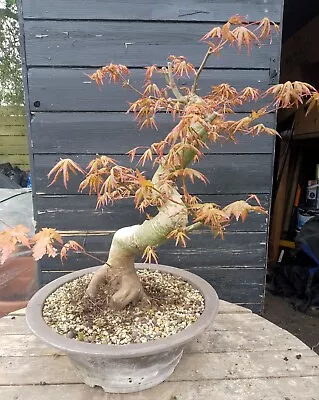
x=200, y=69
x=193, y=227
x=172, y=83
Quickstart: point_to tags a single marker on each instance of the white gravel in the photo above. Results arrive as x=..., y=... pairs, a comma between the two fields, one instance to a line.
x=175, y=304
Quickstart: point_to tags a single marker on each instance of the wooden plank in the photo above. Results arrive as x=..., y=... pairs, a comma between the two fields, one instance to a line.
x=77, y=212
x=211, y=341
x=227, y=173
x=14, y=325
x=229, y=318
x=229, y=308
x=12, y=131
x=117, y=133
x=273, y=339
x=280, y=202
x=10, y=121
x=87, y=43
x=254, y=365
x=70, y=89
x=15, y=160
x=293, y=388
x=11, y=111
x=18, y=313
x=193, y=367
x=163, y=10
x=238, y=249
x=14, y=145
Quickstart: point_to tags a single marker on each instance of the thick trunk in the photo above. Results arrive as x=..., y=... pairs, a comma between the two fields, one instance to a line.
x=131, y=241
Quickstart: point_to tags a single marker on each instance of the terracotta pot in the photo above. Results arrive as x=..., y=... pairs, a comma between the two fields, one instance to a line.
x=18, y=282
x=124, y=368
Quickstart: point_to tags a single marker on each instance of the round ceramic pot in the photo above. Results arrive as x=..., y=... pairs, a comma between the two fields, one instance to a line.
x=124, y=368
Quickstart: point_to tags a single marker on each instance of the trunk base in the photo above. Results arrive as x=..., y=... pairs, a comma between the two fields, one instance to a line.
x=125, y=281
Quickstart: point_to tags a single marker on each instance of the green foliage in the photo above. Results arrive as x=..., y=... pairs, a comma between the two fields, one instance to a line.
x=11, y=88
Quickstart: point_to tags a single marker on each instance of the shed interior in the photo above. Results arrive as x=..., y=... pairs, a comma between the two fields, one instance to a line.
x=295, y=196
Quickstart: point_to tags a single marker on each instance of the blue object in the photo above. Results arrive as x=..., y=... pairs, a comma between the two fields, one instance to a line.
x=29, y=183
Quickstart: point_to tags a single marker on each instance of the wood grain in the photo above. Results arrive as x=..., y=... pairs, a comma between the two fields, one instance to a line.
x=70, y=89
x=163, y=10
x=136, y=44
x=77, y=212
x=237, y=249
x=227, y=173
x=117, y=133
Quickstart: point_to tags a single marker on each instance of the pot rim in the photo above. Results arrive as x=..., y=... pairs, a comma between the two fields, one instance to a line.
x=39, y=327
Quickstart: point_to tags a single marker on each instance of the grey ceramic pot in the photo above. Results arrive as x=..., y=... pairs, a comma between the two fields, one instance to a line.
x=123, y=368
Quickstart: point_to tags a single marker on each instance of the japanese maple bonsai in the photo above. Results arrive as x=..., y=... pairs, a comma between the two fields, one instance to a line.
x=201, y=121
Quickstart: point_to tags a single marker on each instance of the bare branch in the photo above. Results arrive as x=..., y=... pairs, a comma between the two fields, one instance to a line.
x=200, y=69
x=193, y=227
x=172, y=83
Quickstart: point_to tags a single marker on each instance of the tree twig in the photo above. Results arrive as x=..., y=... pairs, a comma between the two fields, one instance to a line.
x=172, y=83
x=200, y=69
x=194, y=226
x=127, y=83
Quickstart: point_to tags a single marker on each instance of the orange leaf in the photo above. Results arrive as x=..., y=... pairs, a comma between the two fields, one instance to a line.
x=150, y=255
x=71, y=245
x=44, y=242
x=64, y=166
x=241, y=208
x=180, y=237
x=244, y=37
x=143, y=182
x=313, y=102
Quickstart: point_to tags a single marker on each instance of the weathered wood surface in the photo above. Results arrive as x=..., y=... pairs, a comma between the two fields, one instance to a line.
x=163, y=10
x=241, y=356
x=237, y=249
x=116, y=133
x=70, y=89
x=78, y=212
x=83, y=43
x=241, y=173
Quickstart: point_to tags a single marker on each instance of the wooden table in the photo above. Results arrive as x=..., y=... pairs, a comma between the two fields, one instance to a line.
x=242, y=356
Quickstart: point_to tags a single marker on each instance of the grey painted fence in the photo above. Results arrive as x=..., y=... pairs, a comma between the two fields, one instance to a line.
x=68, y=115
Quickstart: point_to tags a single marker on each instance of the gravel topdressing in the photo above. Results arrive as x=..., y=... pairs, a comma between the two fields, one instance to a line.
x=175, y=304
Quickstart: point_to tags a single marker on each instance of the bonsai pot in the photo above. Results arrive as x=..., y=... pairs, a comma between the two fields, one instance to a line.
x=130, y=367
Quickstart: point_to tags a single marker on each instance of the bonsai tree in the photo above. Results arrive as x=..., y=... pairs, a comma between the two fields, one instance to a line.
x=200, y=121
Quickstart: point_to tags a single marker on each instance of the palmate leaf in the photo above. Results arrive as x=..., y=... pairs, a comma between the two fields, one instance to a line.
x=212, y=215
x=150, y=255
x=240, y=209
x=10, y=238
x=244, y=37
x=71, y=245
x=44, y=243
x=181, y=66
x=64, y=167
x=180, y=237
x=264, y=28
x=189, y=173
x=313, y=102
x=290, y=94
